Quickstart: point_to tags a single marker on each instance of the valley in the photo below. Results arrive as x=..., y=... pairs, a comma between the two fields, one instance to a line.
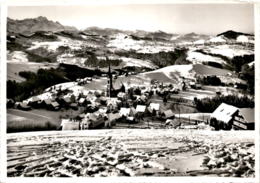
x=131, y=90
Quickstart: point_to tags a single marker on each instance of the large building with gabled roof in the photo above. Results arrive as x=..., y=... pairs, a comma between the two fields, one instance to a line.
x=227, y=117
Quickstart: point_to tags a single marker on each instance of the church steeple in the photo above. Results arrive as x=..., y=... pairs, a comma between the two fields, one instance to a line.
x=110, y=79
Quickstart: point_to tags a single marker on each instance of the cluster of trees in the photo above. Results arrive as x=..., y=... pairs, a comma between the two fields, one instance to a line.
x=210, y=80
x=245, y=72
x=214, y=64
x=248, y=74
x=36, y=82
x=210, y=104
x=93, y=61
x=73, y=72
x=239, y=61
x=161, y=59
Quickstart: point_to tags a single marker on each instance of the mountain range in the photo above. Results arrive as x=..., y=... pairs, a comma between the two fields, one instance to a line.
x=31, y=25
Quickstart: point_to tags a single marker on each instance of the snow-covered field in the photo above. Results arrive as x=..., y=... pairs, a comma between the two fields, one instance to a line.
x=200, y=58
x=217, y=39
x=13, y=68
x=174, y=71
x=71, y=59
x=12, y=117
x=128, y=62
x=17, y=56
x=52, y=46
x=128, y=152
x=124, y=42
x=229, y=51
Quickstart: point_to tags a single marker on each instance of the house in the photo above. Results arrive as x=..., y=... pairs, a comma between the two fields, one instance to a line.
x=112, y=119
x=55, y=105
x=91, y=108
x=133, y=111
x=130, y=119
x=67, y=124
x=140, y=108
x=10, y=103
x=82, y=101
x=103, y=100
x=245, y=120
x=97, y=93
x=66, y=100
x=223, y=117
x=35, y=102
x=154, y=106
x=113, y=116
x=93, y=120
x=194, y=85
x=111, y=106
x=172, y=123
x=143, y=98
x=140, y=111
x=74, y=106
x=124, y=111
x=23, y=106
x=168, y=114
x=102, y=110
x=46, y=102
x=121, y=95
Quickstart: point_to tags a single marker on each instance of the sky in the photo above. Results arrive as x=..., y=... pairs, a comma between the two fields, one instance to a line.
x=208, y=19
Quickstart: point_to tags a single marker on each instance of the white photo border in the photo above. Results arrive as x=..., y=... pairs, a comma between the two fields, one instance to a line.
x=3, y=73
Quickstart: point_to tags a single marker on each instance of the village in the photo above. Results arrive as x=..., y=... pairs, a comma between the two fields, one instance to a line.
x=131, y=90
x=122, y=105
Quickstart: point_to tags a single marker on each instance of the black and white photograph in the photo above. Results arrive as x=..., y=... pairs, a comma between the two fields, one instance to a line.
x=131, y=90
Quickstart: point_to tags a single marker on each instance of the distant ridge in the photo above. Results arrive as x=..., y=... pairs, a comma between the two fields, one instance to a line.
x=230, y=34
x=31, y=25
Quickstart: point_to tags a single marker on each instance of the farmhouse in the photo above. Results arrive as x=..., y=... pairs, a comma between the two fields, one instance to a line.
x=155, y=106
x=223, y=116
x=23, y=106
x=54, y=105
x=124, y=111
x=82, y=101
x=227, y=117
x=35, y=102
x=168, y=114
x=46, y=102
x=140, y=108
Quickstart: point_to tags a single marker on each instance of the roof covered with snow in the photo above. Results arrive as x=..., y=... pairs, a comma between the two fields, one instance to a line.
x=224, y=112
x=140, y=108
x=248, y=114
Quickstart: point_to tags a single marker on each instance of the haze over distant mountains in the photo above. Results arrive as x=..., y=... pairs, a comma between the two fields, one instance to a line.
x=31, y=25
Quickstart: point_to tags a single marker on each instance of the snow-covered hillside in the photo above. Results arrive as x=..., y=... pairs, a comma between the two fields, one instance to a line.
x=200, y=58
x=52, y=46
x=229, y=51
x=125, y=42
x=17, y=56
